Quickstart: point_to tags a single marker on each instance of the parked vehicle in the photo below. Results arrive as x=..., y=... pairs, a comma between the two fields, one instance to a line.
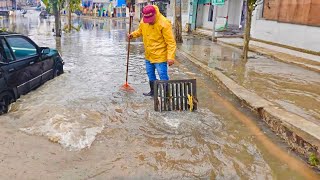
x=4, y=13
x=44, y=14
x=23, y=12
x=24, y=66
x=39, y=8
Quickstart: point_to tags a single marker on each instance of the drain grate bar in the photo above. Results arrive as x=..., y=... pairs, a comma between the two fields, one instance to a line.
x=175, y=95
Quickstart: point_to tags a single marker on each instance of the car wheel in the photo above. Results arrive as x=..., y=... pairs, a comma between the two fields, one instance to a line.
x=6, y=99
x=58, y=71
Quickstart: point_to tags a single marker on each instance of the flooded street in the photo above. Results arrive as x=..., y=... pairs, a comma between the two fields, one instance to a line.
x=80, y=125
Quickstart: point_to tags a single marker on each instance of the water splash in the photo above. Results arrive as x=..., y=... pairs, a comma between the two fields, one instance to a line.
x=71, y=135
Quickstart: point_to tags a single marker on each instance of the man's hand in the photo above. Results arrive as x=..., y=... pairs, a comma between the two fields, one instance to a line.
x=170, y=62
x=129, y=36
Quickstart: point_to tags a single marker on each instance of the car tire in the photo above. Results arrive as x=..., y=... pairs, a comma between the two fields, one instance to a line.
x=6, y=98
x=58, y=71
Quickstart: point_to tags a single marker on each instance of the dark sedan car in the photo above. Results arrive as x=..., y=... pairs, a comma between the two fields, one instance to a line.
x=24, y=66
x=4, y=13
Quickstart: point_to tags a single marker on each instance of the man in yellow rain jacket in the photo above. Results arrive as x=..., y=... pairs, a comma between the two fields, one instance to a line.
x=159, y=44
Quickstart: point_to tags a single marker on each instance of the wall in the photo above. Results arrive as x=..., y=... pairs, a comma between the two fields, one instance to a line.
x=235, y=9
x=184, y=11
x=137, y=12
x=293, y=11
x=199, y=16
x=203, y=12
x=5, y=4
x=205, y=15
x=301, y=36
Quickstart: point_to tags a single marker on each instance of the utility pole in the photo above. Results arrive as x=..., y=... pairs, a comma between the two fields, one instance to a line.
x=215, y=14
x=177, y=21
x=69, y=15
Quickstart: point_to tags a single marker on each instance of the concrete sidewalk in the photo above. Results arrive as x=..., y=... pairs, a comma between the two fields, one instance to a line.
x=285, y=96
x=283, y=54
x=302, y=59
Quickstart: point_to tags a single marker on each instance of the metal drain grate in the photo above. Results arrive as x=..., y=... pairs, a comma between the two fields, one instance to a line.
x=175, y=95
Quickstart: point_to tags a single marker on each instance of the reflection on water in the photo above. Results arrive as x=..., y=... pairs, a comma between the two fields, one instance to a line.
x=117, y=134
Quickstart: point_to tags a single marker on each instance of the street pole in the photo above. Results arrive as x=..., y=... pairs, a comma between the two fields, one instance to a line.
x=177, y=21
x=190, y=11
x=215, y=14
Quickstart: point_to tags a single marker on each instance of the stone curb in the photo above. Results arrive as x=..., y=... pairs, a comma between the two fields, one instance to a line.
x=300, y=134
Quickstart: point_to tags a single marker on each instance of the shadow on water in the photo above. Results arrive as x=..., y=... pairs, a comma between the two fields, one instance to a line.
x=110, y=133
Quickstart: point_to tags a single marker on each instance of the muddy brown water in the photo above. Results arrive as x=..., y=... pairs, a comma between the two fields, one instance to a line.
x=82, y=126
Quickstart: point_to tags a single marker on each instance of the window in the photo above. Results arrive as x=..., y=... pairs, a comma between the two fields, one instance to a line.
x=210, y=15
x=21, y=47
x=7, y=50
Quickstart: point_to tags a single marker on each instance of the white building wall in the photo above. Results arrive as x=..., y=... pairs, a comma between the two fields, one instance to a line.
x=137, y=12
x=200, y=14
x=235, y=9
x=184, y=11
x=301, y=36
x=205, y=17
x=232, y=9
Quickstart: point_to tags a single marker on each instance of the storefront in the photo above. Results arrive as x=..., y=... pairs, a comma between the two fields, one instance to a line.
x=162, y=4
x=121, y=8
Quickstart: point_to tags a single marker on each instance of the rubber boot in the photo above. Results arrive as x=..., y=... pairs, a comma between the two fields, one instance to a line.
x=151, y=83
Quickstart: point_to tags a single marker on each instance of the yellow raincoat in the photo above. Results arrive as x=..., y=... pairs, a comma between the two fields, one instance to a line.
x=158, y=39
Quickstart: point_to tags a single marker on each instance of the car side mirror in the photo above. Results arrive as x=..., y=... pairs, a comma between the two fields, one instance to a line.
x=45, y=51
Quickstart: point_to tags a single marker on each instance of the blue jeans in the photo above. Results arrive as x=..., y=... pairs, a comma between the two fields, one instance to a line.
x=162, y=69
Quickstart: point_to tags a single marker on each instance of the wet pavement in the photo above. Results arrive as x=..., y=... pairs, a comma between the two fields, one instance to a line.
x=294, y=88
x=82, y=126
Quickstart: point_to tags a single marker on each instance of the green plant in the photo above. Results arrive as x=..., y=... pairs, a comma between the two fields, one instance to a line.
x=313, y=160
x=3, y=29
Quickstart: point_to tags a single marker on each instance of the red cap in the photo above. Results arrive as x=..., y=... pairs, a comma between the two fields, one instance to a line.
x=149, y=14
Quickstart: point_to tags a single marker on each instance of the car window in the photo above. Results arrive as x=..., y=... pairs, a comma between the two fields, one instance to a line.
x=21, y=47
x=6, y=50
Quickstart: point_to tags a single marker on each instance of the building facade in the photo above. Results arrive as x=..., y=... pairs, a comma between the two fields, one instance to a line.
x=229, y=15
x=140, y=4
x=289, y=22
x=6, y=4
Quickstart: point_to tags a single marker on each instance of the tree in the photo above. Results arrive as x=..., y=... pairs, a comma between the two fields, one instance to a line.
x=55, y=6
x=250, y=7
x=73, y=5
x=177, y=21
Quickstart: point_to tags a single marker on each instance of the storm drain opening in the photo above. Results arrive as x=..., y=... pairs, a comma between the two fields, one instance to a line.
x=175, y=95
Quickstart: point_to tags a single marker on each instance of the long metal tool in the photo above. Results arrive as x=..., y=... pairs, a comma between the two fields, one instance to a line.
x=126, y=86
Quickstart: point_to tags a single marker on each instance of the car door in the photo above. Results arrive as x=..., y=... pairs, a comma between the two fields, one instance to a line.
x=4, y=68
x=13, y=69
x=25, y=67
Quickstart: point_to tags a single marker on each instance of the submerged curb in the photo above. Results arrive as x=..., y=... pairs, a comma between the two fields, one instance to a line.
x=300, y=134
